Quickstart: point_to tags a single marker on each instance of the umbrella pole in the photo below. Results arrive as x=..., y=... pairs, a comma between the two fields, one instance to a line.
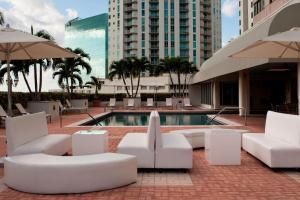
x=9, y=87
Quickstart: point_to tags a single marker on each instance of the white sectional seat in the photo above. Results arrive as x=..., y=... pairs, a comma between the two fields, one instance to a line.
x=28, y=134
x=279, y=147
x=140, y=145
x=172, y=150
x=47, y=174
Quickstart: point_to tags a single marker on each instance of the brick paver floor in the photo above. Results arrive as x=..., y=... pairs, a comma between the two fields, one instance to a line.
x=251, y=180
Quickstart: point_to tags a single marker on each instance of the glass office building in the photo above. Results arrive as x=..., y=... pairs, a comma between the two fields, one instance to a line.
x=90, y=34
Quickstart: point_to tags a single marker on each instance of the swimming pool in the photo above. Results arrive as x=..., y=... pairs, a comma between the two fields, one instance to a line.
x=141, y=119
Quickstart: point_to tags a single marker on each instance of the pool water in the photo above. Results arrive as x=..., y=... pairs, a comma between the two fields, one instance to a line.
x=142, y=119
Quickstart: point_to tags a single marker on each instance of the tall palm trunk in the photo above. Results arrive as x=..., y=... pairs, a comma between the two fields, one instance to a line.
x=26, y=81
x=138, y=85
x=179, y=83
x=35, y=81
x=172, y=83
x=40, y=82
x=131, y=82
x=185, y=84
x=124, y=81
x=68, y=87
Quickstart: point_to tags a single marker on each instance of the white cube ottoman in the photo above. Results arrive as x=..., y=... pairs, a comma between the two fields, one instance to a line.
x=223, y=147
x=89, y=142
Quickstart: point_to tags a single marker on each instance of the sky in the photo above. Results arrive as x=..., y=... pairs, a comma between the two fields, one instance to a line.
x=51, y=15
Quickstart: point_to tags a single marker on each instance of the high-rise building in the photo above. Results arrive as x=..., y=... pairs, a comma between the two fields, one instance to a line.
x=254, y=11
x=164, y=28
x=90, y=34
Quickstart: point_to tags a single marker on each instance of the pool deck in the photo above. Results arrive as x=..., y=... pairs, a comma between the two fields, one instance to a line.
x=251, y=180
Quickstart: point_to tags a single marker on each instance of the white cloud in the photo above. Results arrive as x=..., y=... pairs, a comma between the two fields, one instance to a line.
x=230, y=7
x=41, y=14
x=71, y=14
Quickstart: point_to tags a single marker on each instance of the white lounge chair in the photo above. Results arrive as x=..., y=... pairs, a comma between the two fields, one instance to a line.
x=23, y=111
x=187, y=103
x=70, y=107
x=131, y=103
x=28, y=134
x=279, y=146
x=112, y=102
x=169, y=102
x=150, y=102
x=172, y=151
x=3, y=115
x=141, y=145
x=48, y=174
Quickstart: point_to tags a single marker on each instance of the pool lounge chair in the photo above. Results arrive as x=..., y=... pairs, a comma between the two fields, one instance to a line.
x=169, y=102
x=150, y=103
x=28, y=134
x=131, y=103
x=141, y=145
x=3, y=115
x=172, y=151
x=70, y=107
x=112, y=103
x=187, y=103
x=23, y=111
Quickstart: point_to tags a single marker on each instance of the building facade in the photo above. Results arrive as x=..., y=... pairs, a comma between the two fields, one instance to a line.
x=164, y=28
x=254, y=86
x=255, y=11
x=90, y=34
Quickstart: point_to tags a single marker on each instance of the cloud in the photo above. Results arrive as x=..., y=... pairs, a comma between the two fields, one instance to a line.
x=230, y=8
x=41, y=14
x=71, y=14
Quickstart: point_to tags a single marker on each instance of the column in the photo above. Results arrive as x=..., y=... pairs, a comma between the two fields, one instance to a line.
x=298, y=89
x=216, y=94
x=244, y=92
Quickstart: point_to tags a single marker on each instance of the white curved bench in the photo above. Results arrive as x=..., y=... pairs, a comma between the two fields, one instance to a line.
x=47, y=174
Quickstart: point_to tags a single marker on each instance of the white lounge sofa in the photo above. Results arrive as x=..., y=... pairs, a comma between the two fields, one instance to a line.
x=141, y=145
x=172, y=151
x=28, y=134
x=279, y=147
x=46, y=174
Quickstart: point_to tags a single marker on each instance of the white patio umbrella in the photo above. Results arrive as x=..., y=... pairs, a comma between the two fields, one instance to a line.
x=281, y=45
x=19, y=45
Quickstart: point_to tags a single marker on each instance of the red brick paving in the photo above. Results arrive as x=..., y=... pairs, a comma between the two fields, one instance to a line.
x=250, y=180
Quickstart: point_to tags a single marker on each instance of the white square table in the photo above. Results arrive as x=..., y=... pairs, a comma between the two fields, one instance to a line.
x=89, y=142
x=223, y=147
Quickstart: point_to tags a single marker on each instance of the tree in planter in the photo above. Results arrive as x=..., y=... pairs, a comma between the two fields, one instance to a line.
x=69, y=70
x=96, y=83
x=140, y=65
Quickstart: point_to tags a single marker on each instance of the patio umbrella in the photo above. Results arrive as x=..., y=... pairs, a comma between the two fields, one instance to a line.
x=285, y=45
x=281, y=45
x=19, y=45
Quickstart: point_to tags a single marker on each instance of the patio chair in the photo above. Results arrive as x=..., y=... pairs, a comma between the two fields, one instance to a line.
x=70, y=107
x=3, y=115
x=28, y=134
x=131, y=103
x=150, y=103
x=187, y=103
x=141, y=145
x=169, y=102
x=23, y=111
x=172, y=151
x=112, y=103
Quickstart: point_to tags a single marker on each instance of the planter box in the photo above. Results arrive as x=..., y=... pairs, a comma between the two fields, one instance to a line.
x=80, y=103
x=50, y=107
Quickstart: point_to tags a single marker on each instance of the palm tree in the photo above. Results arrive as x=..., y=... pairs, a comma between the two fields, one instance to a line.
x=167, y=66
x=118, y=69
x=189, y=70
x=140, y=65
x=1, y=19
x=96, y=83
x=69, y=70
